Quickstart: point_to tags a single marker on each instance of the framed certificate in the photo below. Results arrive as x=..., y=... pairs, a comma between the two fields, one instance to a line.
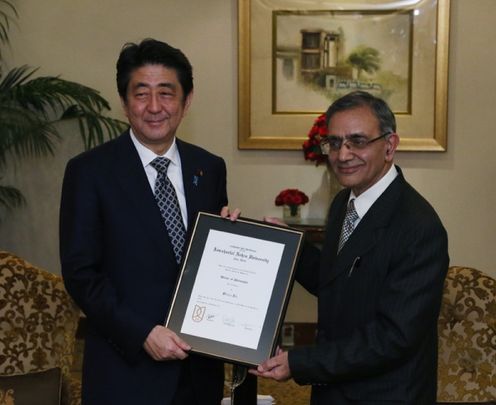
x=233, y=289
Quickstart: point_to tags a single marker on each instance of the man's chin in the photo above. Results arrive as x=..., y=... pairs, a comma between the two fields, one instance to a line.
x=157, y=132
x=346, y=179
x=156, y=126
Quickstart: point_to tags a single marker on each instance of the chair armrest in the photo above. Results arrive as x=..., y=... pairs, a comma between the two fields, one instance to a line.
x=71, y=391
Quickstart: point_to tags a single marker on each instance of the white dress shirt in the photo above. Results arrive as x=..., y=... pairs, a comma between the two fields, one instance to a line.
x=174, y=171
x=365, y=200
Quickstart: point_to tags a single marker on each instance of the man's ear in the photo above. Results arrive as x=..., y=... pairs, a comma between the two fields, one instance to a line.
x=187, y=102
x=392, y=142
x=124, y=106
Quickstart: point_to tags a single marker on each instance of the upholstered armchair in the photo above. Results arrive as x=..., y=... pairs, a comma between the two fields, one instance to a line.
x=467, y=338
x=38, y=322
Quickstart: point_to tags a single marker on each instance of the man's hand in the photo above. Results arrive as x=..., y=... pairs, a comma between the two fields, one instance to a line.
x=276, y=367
x=233, y=216
x=275, y=221
x=163, y=344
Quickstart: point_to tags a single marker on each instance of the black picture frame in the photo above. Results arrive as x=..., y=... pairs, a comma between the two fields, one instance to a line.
x=292, y=239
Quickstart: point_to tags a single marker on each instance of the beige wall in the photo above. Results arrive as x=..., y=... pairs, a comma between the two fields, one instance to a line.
x=81, y=40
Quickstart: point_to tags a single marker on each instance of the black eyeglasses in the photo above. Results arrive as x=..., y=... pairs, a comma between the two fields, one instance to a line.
x=353, y=141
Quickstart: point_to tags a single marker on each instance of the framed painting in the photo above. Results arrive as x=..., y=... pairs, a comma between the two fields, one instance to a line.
x=296, y=58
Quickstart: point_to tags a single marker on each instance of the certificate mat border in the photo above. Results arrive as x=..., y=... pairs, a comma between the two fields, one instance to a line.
x=291, y=238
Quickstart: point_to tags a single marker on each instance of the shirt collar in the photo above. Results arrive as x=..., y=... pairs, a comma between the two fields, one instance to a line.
x=365, y=200
x=146, y=155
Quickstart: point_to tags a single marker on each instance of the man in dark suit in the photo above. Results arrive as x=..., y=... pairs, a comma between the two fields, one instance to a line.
x=121, y=244
x=378, y=278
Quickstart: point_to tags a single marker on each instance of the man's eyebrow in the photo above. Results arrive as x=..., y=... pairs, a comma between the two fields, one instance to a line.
x=348, y=135
x=168, y=85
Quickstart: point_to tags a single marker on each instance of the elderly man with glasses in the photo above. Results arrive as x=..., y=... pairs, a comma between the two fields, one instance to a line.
x=378, y=278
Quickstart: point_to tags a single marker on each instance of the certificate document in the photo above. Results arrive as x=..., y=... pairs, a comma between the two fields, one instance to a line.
x=232, y=290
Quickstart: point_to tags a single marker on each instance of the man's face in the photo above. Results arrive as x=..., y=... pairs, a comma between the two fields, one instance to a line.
x=155, y=106
x=359, y=169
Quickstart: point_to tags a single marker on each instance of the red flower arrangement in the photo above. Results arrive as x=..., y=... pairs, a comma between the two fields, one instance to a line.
x=291, y=197
x=311, y=147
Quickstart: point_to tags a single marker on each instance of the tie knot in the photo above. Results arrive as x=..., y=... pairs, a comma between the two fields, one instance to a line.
x=160, y=164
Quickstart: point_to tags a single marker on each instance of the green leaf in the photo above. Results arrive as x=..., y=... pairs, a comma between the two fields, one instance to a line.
x=31, y=107
x=7, y=13
x=10, y=197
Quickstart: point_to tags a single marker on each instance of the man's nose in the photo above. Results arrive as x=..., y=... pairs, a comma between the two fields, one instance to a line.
x=153, y=104
x=345, y=152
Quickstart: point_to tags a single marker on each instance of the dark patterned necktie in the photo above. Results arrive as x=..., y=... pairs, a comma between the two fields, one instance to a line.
x=348, y=223
x=169, y=206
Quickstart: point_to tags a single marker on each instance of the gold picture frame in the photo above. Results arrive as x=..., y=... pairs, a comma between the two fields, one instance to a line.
x=265, y=123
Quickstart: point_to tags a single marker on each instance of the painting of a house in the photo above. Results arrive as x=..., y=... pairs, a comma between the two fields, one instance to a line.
x=320, y=56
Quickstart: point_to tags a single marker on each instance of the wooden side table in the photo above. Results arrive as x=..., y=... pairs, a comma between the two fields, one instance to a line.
x=314, y=228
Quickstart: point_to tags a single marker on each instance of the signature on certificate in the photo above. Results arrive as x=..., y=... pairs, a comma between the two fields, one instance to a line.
x=229, y=321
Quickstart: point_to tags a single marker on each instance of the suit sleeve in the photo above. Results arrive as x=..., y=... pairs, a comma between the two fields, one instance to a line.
x=407, y=306
x=307, y=272
x=82, y=239
x=222, y=186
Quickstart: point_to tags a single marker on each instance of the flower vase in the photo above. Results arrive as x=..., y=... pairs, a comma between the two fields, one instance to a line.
x=292, y=212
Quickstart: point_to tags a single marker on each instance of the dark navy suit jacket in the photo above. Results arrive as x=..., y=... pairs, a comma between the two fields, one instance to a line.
x=119, y=266
x=378, y=304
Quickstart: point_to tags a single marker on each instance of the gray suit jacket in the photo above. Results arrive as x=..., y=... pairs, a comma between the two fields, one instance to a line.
x=378, y=303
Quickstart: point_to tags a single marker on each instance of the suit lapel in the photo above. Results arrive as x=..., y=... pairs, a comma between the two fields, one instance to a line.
x=365, y=235
x=131, y=177
x=192, y=173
